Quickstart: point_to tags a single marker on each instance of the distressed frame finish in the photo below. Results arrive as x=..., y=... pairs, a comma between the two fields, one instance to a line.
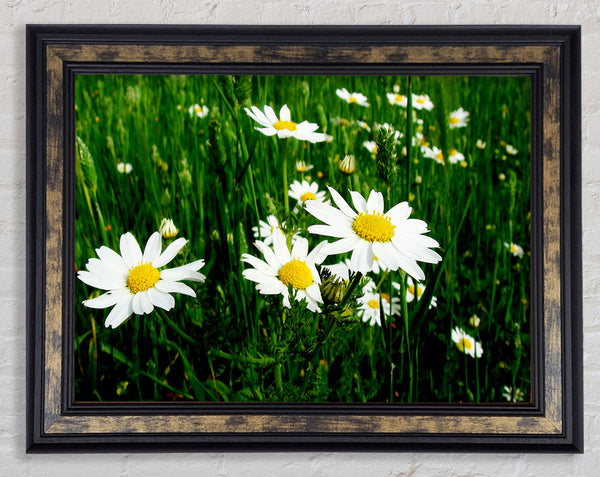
x=549, y=55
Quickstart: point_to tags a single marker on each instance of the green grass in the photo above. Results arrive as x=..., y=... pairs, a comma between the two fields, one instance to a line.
x=215, y=182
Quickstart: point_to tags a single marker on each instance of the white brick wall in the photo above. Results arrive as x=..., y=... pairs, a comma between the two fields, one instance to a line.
x=14, y=14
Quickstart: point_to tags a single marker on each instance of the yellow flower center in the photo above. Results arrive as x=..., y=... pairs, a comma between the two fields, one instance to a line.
x=462, y=344
x=420, y=101
x=285, y=125
x=142, y=277
x=352, y=99
x=198, y=110
x=344, y=122
x=373, y=227
x=399, y=98
x=375, y=149
x=373, y=304
x=513, y=249
x=452, y=152
x=411, y=290
x=308, y=196
x=454, y=120
x=296, y=273
x=440, y=156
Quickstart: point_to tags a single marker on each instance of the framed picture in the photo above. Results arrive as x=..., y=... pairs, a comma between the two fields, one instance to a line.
x=294, y=238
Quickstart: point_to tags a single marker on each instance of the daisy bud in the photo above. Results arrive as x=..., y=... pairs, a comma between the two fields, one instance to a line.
x=348, y=165
x=167, y=228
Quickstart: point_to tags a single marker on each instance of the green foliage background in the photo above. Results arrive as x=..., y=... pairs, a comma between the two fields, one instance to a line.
x=216, y=176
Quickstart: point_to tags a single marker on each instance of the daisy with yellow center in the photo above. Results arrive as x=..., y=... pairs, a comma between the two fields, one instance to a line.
x=397, y=99
x=134, y=281
x=371, y=146
x=395, y=239
x=454, y=156
x=266, y=230
x=284, y=126
x=282, y=269
x=480, y=144
x=458, y=118
x=303, y=167
x=352, y=98
x=415, y=289
x=511, y=150
x=433, y=153
x=515, y=249
x=466, y=343
x=370, y=304
x=422, y=101
x=198, y=111
x=124, y=168
x=306, y=191
x=513, y=396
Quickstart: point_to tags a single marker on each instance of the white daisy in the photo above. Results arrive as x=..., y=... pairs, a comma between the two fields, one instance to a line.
x=454, y=156
x=266, y=230
x=282, y=269
x=511, y=150
x=133, y=279
x=466, y=343
x=480, y=144
x=371, y=146
x=474, y=321
x=306, y=191
x=124, y=168
x=415, y=289
x=198, y=111
x=422, y=101
x=458, y=118
x=352, y=98
x=167, y=228
x=515, y=249
x=397, y=99
x=302, y=166
x=284, y=126
x=433, y=153
x=513, y=396
x=394, y=238
x=370, y=303
x=363, y=125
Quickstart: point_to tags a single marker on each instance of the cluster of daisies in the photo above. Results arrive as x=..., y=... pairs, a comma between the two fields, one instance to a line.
x=376, y=239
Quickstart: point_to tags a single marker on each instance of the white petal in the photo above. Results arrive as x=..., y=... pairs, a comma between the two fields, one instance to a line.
x=102, y=282
x=284, y=113
x=130, y=250
x=342, y=246
x=375, y=202
x=270, y=257
x=341, y=203
x=108, y=299
x=399, y=213
x=328, y=230
x=141, y=304
x=360, y=204
x=169, y=253
x=317, y=254
x=268, y=131
x=270, y=114
x=258, y=264
x=153, y=248
x=167, y=286
x=119, y=313
x=300, y=249
x=160, y=299
x=328, y=214
x=280, y=248
x=362, y=257
x=113, y=258
x=185, y=272
x=313, y=291
x=103, y=268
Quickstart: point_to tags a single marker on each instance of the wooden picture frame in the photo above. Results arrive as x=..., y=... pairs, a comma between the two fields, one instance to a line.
x=549, y=55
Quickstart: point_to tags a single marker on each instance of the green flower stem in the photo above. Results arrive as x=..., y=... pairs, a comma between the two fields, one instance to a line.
x=408, y=135
x=406, y=335
x=286, y=199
